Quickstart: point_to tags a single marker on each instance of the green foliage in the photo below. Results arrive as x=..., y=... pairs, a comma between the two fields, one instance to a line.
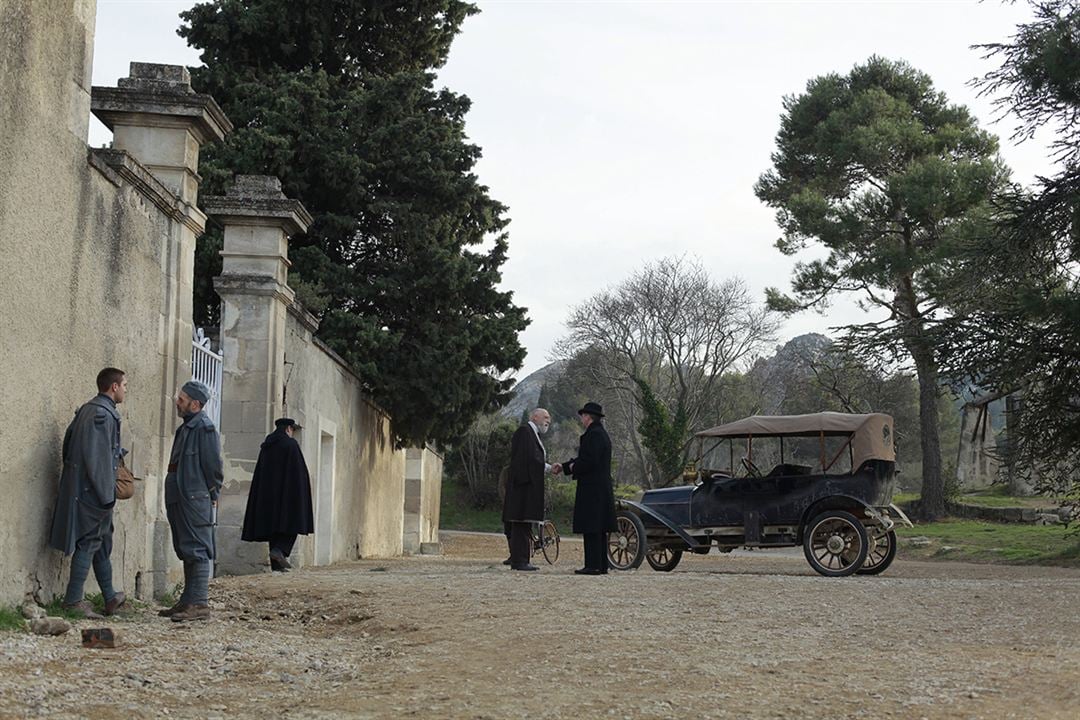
x=402, y=263
x=1015, y=320
x=457, y=511
x=56, y=608
x=171, y=597
x=664, y=435
x=476, y=460
x=879, y=169
x=11, y=619
x=1012, y=543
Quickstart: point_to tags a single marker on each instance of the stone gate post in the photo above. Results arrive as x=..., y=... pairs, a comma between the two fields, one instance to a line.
x=255, y=296
x=158, y=120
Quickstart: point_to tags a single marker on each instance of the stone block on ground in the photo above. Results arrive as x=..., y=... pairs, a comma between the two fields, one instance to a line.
x=32, y=611
x=430, y=548
x=100, y=638
x=49, y=626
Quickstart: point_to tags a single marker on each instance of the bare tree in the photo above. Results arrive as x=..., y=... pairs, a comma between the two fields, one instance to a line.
x=668, y=331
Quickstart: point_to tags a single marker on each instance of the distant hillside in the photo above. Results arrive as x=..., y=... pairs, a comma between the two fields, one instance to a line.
x=527, y=390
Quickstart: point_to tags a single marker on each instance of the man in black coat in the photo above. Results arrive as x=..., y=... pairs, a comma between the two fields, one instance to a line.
x=279, y=502
x=594, y=499
x=524, y=502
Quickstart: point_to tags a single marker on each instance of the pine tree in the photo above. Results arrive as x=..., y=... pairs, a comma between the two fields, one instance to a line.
x=402, y=264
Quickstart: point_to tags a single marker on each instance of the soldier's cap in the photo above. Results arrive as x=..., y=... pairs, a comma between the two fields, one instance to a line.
x=288, y=422
x=196, y=391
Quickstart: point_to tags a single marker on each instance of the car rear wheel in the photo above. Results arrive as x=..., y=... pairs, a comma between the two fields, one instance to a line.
x=835, y=543
x=880, y=553
x=626, y=546
x=664, y=559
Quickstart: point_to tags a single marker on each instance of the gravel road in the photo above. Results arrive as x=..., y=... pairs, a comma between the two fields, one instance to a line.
x=755, y=635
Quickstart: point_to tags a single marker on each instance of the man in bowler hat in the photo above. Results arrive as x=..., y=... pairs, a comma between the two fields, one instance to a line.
x=594, y=498
x=192, y=486
x=279, y=502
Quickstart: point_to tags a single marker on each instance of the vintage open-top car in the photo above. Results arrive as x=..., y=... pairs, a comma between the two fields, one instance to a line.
x=831, y=492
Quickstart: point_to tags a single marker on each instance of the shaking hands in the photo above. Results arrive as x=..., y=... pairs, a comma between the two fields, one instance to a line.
x=556, y=469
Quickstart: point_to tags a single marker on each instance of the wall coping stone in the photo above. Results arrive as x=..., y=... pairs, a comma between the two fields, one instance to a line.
x=258, y=200
x=121, y=166
x=163, y=91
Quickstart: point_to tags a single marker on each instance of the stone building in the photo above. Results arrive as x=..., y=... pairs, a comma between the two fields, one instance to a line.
x=96, y=269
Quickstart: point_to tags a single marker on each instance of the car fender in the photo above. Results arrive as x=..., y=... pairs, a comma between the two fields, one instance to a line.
x=853, y=504
x=646, y=510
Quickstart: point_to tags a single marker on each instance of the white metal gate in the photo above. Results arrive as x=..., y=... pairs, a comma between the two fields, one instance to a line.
x=206, y=367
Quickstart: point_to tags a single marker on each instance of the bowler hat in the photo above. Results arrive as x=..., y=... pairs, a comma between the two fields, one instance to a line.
x=287, y=422
x=592, y=409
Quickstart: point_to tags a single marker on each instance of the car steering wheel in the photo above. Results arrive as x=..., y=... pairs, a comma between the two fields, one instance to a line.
x=751, y=468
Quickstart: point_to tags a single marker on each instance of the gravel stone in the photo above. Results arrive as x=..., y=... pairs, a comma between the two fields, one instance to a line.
x=745, y=635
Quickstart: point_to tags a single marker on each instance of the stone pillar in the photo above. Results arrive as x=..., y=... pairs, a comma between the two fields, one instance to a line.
x=414, y=480
x=255, y=297
x=159, y=121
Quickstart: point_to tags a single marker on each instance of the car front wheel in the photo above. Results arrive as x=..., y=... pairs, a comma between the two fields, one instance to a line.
x=626, y=546
x=835, y=543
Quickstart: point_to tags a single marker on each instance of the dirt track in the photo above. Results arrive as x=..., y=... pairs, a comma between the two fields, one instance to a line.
x=461, y=636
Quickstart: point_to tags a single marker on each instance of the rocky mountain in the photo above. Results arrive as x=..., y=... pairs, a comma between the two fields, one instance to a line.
x=527, y=390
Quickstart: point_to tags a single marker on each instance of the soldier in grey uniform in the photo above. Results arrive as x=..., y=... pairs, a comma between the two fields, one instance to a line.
x=191, y=492
x=82, y=521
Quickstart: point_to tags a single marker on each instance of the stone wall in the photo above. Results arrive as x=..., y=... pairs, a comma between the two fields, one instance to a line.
x=276, y=367
x=96, y=260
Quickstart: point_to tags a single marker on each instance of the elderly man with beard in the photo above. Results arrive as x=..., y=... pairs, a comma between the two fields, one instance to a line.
x=524, y=503
x=191, y=492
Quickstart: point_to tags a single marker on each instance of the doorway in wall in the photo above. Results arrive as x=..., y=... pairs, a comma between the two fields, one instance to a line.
x=324, y=497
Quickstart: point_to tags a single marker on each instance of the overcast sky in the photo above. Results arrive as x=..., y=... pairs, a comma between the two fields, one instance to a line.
x=621, y=132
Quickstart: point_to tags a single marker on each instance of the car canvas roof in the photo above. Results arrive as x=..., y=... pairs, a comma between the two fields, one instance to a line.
x=871, y=433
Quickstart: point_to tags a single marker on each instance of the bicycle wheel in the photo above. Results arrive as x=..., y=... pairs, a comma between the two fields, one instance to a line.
x=550, y=542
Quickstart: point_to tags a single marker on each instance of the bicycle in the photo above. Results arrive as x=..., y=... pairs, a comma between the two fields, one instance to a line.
x=545, y=538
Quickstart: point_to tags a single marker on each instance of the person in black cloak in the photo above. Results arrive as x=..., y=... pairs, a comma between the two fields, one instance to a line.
x=279, y=502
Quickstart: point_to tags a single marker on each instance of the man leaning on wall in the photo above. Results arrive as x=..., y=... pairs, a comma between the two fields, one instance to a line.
x=82, y=521
x=192, y=487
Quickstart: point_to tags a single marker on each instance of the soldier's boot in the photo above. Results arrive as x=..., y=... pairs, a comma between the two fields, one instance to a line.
x=191, y=612
x=83, y=608
x=169, y=612
x=116, y=603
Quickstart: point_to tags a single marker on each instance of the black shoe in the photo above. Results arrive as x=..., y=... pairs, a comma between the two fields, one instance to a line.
x=589, y=571
x=507, y=562
x=526, y=567
x=276, y=566
x=276, y=556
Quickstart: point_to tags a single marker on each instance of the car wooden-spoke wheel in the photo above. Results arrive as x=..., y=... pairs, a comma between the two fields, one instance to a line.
x=835, y=543
x=664, y=559
x=880, y=553
x=626, y=546
x=549, y=539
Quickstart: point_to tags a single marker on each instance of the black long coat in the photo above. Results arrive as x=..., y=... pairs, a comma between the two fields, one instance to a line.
x=525, y=483
x=279, y=501
x=594, y=500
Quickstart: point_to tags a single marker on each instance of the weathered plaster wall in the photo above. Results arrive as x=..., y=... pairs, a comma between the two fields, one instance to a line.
x=431, y=496
x=85, y=262
x=368, y=478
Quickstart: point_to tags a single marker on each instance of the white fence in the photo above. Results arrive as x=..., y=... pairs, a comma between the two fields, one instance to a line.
x=206, y=367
